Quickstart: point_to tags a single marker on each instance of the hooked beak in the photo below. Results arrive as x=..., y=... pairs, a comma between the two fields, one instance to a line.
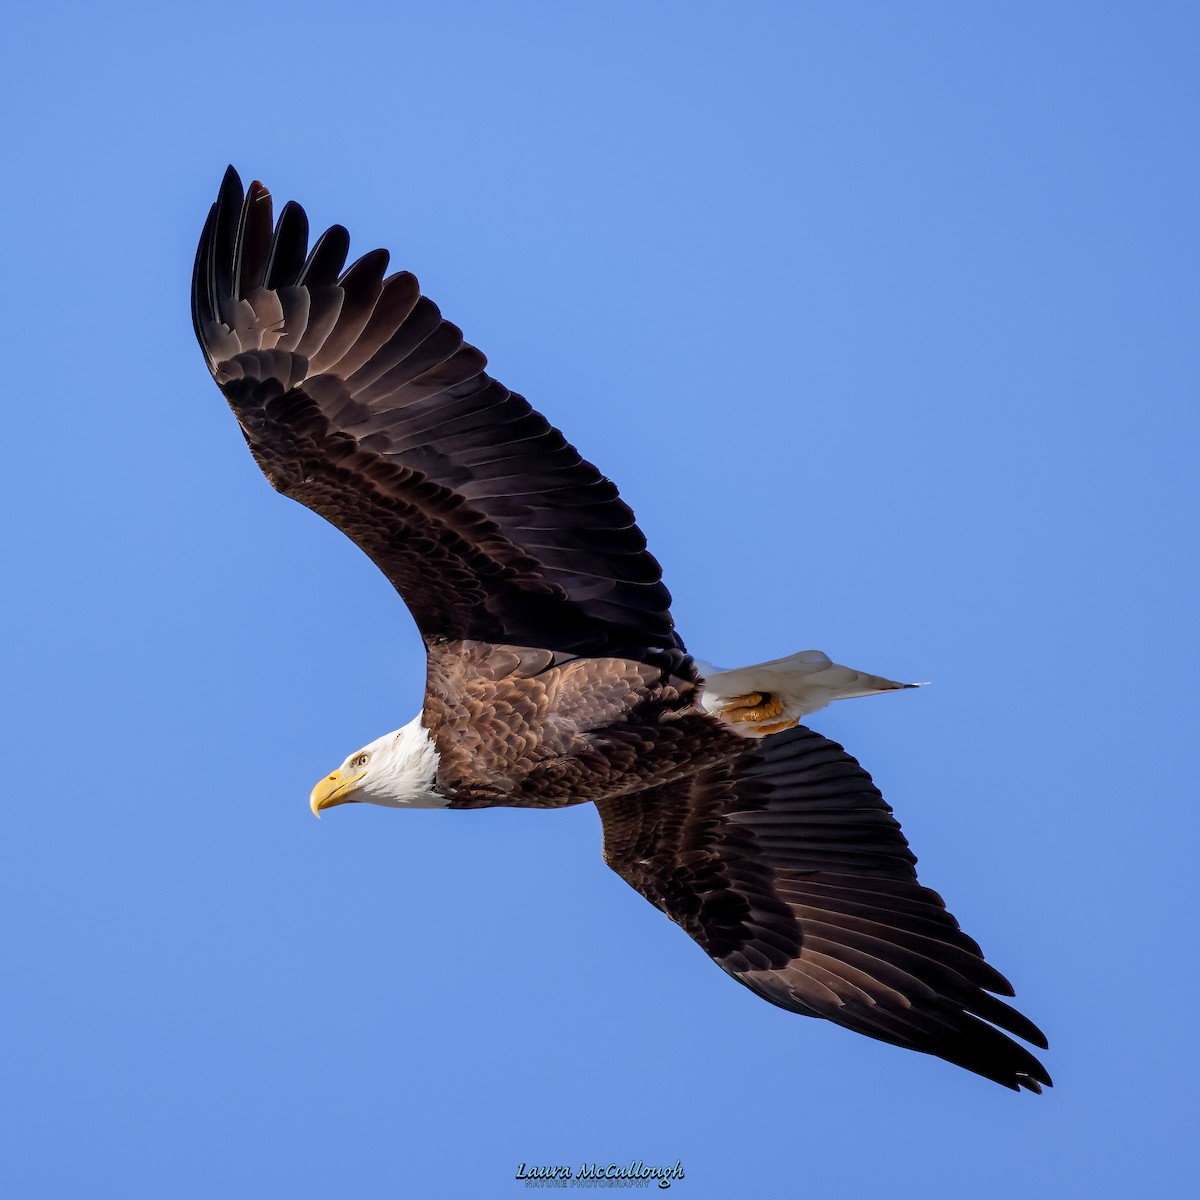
x=333, y=790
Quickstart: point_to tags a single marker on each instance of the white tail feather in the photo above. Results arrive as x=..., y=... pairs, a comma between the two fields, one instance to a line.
x=803, y=683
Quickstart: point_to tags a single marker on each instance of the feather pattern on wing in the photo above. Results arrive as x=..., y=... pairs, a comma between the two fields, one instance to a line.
x=360, y=401
x=785, y=864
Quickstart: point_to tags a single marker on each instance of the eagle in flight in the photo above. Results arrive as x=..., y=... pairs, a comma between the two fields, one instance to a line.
x=555, y=675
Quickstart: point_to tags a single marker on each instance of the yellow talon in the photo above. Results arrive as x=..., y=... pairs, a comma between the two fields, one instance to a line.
x=752, y=707
x=779, y=726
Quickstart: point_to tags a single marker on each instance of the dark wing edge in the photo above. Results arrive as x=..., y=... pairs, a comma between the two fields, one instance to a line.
x=786, y=865
x=360, y=401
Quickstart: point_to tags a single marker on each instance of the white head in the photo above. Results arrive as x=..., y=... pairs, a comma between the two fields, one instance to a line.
x=398, y=770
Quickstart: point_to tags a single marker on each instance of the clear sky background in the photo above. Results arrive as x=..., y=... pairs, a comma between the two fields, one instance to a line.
x=883, y=316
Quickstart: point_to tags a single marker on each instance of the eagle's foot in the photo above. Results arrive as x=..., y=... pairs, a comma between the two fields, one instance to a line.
x=754, y=707
x=777, y=726
x=758, y=711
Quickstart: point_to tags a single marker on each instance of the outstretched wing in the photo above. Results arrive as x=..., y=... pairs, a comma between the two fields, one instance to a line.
x=786, y=865
x=360, y=401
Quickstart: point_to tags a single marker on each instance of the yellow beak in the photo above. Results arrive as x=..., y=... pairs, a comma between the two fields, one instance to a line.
x=333, y=789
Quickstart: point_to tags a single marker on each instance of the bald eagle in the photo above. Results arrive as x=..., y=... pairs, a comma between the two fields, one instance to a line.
x=555, y=675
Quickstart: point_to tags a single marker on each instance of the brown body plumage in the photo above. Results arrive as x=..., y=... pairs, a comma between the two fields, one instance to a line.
x=555, y=675
x=532, y=729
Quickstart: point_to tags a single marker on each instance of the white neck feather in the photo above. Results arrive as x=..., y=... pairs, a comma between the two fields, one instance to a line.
x=403, y=771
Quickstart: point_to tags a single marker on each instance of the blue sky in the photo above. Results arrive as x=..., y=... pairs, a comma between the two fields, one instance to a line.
x=883, y=317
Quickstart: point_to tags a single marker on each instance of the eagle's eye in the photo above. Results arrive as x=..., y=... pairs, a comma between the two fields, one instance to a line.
x=360, y=760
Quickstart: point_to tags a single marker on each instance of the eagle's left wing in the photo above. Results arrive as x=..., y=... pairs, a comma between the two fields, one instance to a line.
x=786, y=865
x=359, y=400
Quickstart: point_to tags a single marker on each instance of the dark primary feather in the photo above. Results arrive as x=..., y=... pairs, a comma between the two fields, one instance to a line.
x=359, y=400
x=786, y=865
